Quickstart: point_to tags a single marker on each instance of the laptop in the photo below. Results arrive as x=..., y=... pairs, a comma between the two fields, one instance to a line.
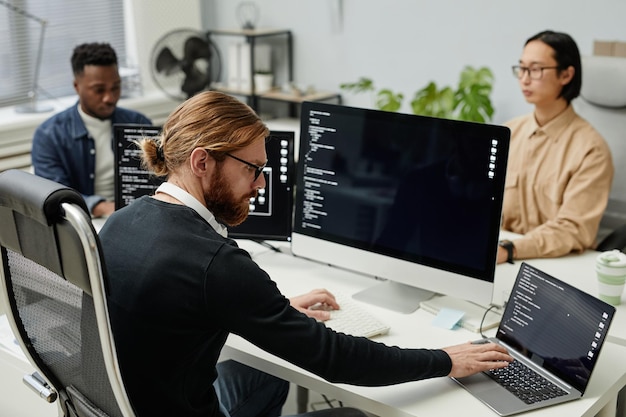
x=556, y=331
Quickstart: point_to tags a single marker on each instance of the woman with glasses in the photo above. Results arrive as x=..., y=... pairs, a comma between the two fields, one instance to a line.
x=560, y=168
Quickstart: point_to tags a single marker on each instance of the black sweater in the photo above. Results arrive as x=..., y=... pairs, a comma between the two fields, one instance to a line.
x=178, y=288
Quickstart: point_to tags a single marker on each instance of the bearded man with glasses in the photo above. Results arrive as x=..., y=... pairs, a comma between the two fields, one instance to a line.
x=560, y=169
x=179, y=286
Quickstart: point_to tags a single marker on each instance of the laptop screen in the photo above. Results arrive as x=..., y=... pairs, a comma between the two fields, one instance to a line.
x=557, y=326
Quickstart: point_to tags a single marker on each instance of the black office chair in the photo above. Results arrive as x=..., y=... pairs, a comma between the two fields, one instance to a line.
x=53, y=282
x=615, y=240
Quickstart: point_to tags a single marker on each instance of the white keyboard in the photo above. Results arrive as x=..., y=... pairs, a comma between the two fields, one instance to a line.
x=354, y=320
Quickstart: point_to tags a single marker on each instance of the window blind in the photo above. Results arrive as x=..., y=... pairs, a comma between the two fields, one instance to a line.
x=67, y=24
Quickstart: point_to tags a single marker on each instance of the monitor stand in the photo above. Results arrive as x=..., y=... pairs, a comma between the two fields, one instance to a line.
x=394, y=296
x=406, y=299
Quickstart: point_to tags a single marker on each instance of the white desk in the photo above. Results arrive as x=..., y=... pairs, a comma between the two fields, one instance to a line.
x=437, y=396
x=423, y=398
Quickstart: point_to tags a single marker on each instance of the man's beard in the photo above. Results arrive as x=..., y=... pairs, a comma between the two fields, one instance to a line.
x=225, y=206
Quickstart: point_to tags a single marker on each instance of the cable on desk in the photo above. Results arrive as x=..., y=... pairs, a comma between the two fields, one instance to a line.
x=267, y=245
x=482, y=321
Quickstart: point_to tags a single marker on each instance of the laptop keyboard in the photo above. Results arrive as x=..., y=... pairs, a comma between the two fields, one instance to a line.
x=525, y=384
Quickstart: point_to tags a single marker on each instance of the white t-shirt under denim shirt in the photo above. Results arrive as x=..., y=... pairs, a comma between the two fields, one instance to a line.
x=101, y=131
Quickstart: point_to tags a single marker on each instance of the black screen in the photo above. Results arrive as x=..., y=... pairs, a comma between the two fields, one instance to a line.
x=131, y=179
x=270, y=213
x=420, y=189
x=559, y=327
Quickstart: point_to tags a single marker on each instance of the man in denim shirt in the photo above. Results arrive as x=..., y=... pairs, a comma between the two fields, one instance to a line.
x=75, y=146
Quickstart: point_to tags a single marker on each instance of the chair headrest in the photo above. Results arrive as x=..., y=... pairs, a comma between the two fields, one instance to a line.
x=604, y=81
x=36, y=197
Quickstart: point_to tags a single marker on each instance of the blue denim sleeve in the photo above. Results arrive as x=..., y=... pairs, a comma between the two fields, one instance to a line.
x=92, y=200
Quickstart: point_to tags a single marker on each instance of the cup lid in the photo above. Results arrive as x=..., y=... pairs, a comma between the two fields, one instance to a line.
x=613, y=259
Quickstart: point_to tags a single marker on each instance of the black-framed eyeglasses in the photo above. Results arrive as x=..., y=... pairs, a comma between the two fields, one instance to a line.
x=258, y=169
x=535, y=73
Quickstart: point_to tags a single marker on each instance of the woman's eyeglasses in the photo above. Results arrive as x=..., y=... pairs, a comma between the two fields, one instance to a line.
x=535, y=73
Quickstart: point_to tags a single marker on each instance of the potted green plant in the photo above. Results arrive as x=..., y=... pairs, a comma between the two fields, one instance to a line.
x=470, y=101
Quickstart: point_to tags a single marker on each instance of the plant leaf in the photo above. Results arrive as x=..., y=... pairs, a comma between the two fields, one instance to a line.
x=472, y=96
x=362, y=85
x=430, y=101
x=470, y=101
x=387, y=100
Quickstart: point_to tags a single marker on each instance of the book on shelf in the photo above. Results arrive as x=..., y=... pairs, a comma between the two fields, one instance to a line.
x=239, y=67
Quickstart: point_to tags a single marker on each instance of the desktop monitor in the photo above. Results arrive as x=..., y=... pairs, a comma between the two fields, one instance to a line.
x=271, y=213
x=414, y=201
x=131, y=179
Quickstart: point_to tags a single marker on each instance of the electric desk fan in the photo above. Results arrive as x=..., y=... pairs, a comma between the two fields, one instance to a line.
x=185, y=62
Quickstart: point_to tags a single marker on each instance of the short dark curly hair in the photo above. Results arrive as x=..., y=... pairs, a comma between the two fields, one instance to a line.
x=92, y=54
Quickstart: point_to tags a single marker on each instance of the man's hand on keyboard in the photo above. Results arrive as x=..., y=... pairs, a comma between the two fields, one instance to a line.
x=316, y=304
x=470, y=358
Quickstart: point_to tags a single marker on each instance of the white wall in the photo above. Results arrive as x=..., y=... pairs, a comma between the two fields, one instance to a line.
x=400, y=44
x=404, y=44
